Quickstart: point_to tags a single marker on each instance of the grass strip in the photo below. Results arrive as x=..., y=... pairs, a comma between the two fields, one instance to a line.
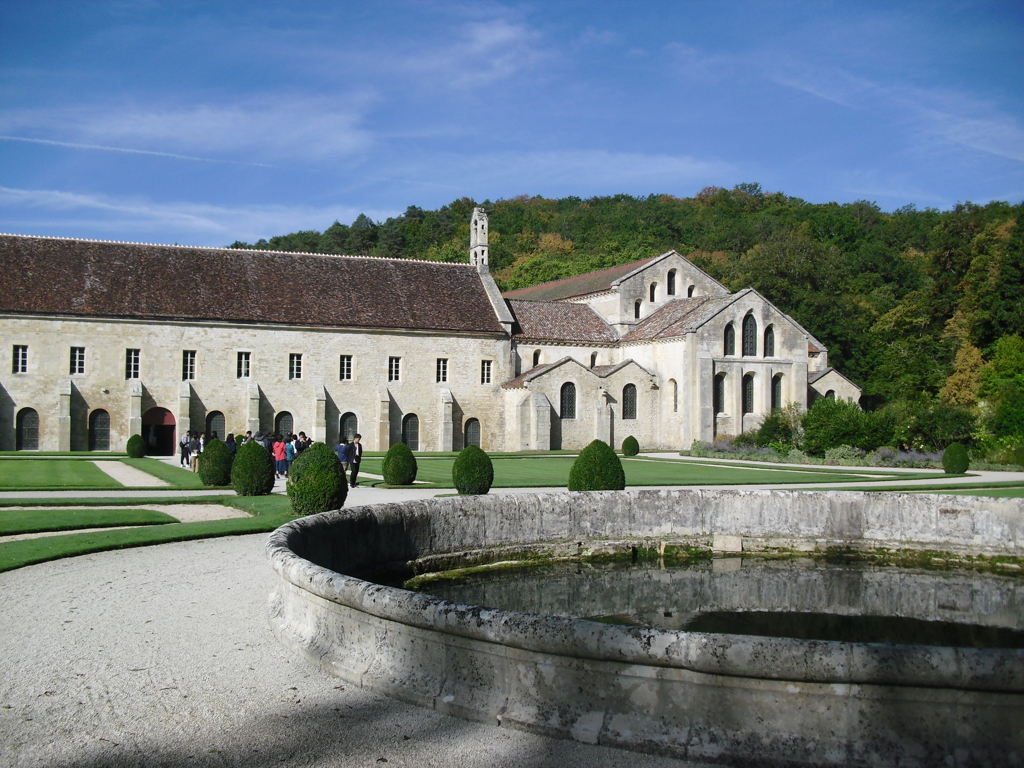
x=109, y=501
x=54, y=474
x=176, y=476
x=13, y=522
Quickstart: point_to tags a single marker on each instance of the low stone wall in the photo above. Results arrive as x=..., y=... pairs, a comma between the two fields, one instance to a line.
x=737, y=699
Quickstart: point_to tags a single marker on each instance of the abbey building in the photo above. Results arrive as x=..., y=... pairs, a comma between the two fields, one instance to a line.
x=106, y=340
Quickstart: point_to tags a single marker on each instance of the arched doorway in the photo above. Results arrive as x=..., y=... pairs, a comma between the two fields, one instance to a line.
x=411, y=431
x=349, y=426
x=473, y=432
x=99, y=430
x=27, y=430
x=158, y=432
x=284, y=425
x=215, y=426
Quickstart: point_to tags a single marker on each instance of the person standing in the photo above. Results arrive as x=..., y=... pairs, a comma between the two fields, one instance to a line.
x=341, y=450
x=289, y=454
x=185, y=446
x=280, y=457
x=355, y=455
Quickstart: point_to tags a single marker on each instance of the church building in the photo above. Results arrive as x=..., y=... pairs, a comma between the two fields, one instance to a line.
x=110, y=339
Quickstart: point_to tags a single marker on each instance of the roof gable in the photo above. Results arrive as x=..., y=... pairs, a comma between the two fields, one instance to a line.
x=600, y=371
x=579, y=285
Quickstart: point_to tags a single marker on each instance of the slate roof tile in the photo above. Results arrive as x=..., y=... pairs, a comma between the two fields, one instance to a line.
x=560, y=321
x=677, y=317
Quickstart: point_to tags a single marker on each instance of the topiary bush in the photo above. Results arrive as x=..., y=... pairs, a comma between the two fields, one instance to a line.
x=597, y=468
x=316, y=481
x=136, y=447
x=399, y=465
x=215, y=463
x=630, y=446
x=955, y=459
x=252, y=473
x=472, y=472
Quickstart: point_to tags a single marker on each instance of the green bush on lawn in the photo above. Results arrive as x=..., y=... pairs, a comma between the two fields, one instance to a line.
x=955, y=459
x=472, y=472
x=399, y=466
x=597, y=468
x=630, y=446
x=136, y=447
x=215, y=463
x=252, y=473
x=316, y=481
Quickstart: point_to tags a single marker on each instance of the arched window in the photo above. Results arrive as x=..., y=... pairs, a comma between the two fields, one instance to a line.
x=26, y=434
x=99, y=430
x=748, y=393
x=749, y=336
x=777, y=391
x=718, y=394
x=689, y=291
x=349, y=426
x=215, y=426
x=769, y=342
x=831, y=394
x=636, y=310
x=284, y=424
x=629, y=401
x=670, y=283
x=411, y=431
x=536, y=358
x=654, y=292
x=675, y=395
x=568, y=401
x=730, y=340
x=473, y=432
x=593, y=359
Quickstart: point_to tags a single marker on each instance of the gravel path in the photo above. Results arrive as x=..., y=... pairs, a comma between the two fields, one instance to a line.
x=162, y=656
x=130, y=477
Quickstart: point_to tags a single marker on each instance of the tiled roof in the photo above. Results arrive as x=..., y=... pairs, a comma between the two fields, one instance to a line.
x=519, y=381
x=677, y=317
x=580, y=285
x=820, y=374
x=560, y=321
x=103, y=279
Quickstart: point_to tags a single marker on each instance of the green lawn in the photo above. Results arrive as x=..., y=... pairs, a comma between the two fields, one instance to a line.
x=53, y=474
x=18, y=521
x=176, y=476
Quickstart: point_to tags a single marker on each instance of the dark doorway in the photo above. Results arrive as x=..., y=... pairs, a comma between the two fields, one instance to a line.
x=473, y=432
x=99, y=430
x=158, y=432
x=411, y=431
x=27, y=430
x=215, y=425
x=349, y=426
x=283, y=424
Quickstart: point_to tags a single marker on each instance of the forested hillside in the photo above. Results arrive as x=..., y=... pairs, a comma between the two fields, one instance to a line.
x=911, y=304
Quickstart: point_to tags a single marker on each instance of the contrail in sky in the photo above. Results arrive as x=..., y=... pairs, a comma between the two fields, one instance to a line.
x=130, y=151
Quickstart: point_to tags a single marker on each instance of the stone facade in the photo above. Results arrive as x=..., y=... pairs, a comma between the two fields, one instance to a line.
x=106, y=340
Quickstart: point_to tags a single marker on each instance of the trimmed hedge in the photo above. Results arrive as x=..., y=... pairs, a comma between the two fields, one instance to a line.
x=955, y=459
x=630, y=446
x=136, y=447
x=215, y=463
x=399, y=466
x=252, y=474
x=597, y=468
x=472, y=472
x=316, y=481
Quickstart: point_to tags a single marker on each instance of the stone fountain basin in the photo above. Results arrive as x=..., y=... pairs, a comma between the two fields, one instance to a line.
x=729, y=698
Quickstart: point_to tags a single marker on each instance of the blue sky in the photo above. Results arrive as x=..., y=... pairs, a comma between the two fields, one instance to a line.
x=203, y=123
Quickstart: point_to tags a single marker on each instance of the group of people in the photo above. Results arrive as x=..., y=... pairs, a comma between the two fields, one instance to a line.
x=192, y=444
x=350, y=455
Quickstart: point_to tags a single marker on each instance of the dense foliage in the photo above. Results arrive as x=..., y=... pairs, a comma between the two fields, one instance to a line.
x=399, y=466
x=472, y=472
x=630, y=446
x=316, y=481
x=597, y=468
x=252, y=473
x=215, y=463
x=136, y=447
x=911, y=304
x=955, y=459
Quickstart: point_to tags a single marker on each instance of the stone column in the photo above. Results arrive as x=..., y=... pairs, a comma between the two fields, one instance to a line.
x=64, y=415
x=184, y=408
x=540, y=432
x=704, y=400
x=446, y=434
x=795, y=389
x=383, y=421
x=134, y=407
x=320, y=419
x=602, y=416
x=252, y=422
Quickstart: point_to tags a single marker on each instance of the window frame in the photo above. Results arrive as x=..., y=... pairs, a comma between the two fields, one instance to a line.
x=345, y=368
x=629, y=399
x=749, y=342
x=188, y=365
x=19, y=358
x=394, y=368
x=77, y=362
x=729, y=341
x=243, y=364
x=748, y=393
x=132, y=363
x=563, y=411
x=769, y=341
x=670, y=283
x=486, y=370
x=294, y=366
x=441, y=371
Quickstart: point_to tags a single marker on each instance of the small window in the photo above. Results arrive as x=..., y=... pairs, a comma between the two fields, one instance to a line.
x=442, y=370
x=749, y=336
x=654, y=292
x=473, y=432
x=629, y=401
x=689, y=291
x=593, y=359
x=636, y=310
x=19, y=359
x=394, y=369
x=675, y=395
x=536, y=358
x=568, y=401
x=777, y=392
x=411, y=431
x=769, y=342
x=830, y=395
x=719, y=394
x=729, y=343
x=243, y=360
x=188, y=365
x=748, y=394
x=77, y=360
x=99, y=430
x=345, y=368
x=485, y=371
x=670, y=283
x=131, y=364
x=295, y=365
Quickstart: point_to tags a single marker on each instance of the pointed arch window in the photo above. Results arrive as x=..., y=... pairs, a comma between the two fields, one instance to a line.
x=567, y=401
x=769, y=341
x=629, y=401
x=748, y=394
x=749, y=336
x=729, y=345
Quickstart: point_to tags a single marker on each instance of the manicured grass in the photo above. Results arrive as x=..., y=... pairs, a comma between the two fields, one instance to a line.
x=53, y=474
x=176, y=476
x=108, y=501
x=18, y=521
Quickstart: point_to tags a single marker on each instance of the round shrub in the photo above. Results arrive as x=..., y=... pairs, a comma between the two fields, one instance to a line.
x=399, y=465
x=630, y=446
x=597, y=468
x=252, y=473
x=136, y=447
x=316, y=481
x=955, y=459
x=215, y=463
x=472, y=471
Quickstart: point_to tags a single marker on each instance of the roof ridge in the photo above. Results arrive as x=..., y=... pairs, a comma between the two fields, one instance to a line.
x=238, y=250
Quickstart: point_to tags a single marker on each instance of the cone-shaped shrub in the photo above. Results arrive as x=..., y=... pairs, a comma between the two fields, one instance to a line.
x=472, y=471
x=316, y=481
x=630, y=446
x=399, y=465
x=597, y=468
x=252, y=473
x=215, y=464
x=136, y=447
x=955, y=459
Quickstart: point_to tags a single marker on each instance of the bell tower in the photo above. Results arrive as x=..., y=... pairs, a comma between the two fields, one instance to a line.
x=478, y=240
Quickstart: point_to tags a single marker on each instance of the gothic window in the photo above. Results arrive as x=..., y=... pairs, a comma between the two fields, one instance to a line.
x=26, y=430
x=636, y=310
x=718, y=394
x=629, y=401
x=568, y=401
x=473, y=432
x=777, y=392
x=748, y=393
x=749, y=336
x=730, y=340
x=215, y=426
x=670, y=283
x=349, y=426
x=769, y=342
x=99, y=430
x=411, y=431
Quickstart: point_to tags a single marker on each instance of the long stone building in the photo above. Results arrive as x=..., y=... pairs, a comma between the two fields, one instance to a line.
x=110, y=339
